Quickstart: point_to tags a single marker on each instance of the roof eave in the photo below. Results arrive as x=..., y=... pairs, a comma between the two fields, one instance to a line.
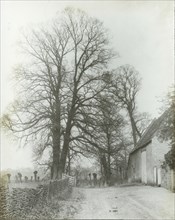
x=144, y=145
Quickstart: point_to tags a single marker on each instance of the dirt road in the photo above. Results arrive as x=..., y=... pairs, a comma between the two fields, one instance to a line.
x=136, y=202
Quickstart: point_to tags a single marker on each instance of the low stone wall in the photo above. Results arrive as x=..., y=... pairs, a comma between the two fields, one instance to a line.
x=29, y=203
x=59, y=188
x=168, y=178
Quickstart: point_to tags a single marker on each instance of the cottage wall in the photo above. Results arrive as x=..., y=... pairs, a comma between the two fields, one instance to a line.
x=159, y=149
x=145, y=163
x=155, y=152
x=134, y=167
x=149, y=164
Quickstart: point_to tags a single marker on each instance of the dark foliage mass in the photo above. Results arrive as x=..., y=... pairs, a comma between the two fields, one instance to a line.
x=167, y=131
x=170, y=156
x=40, y=203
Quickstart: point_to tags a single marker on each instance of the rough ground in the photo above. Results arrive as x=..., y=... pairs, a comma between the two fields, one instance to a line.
x=134, y=202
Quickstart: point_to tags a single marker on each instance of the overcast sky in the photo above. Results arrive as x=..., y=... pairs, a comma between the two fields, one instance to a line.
x=142, y=32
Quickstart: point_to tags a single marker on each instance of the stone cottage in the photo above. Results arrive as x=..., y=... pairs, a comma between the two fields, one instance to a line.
x=146, y=160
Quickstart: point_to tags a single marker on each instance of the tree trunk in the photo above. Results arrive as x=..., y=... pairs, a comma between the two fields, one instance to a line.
x=56, y=156
x=109, y=170
x=134, y=135
x=56, y=135
x=65, y=149
x=109, y=160
x=106, y=169
x=69, y=163
x=125, y=175
x=68, y=132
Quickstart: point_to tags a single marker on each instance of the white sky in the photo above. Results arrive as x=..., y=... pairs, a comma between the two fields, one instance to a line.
x=141, y=31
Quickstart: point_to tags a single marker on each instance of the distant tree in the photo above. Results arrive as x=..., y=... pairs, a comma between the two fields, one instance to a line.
x=94, y=179
x=72, y=156
x=20, y=177
x=8, y=175
x=35, y=175
x=100, y=131
x=126, y=84
x=16, y=178
x=142, y=121
x=111, y=124
x=26, y=179
x=31, y=178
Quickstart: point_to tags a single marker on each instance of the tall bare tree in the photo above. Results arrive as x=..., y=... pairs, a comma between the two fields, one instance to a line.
x=126, y=85
x=66, y=61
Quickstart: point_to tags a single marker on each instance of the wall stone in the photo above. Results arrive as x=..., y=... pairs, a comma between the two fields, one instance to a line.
x=168, y=178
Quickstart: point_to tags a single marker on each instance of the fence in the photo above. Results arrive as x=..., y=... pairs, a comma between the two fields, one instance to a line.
x=72, y=179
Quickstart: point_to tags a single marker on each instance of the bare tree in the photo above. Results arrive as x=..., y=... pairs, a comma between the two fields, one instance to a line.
x=66, y=61
x=100, y=131
x=126, y=85
x=111, y=125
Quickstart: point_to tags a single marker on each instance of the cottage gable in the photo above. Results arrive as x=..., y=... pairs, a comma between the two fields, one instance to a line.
x=145, y=161
x=151, y=131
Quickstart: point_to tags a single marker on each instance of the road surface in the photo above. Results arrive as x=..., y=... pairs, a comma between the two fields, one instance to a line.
x=133, y=202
